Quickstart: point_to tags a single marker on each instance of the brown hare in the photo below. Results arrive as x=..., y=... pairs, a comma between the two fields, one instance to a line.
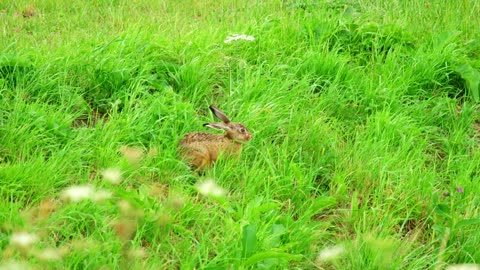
x=201, y=149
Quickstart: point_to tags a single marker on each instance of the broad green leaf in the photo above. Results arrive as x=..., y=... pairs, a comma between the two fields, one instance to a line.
x=249, y=240
x=216, y=268
x=472, y=78
x=271, y=255
x=442, y=210
x=276, y=239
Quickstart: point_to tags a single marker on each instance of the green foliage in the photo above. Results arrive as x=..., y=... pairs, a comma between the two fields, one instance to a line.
x=365, y=121
x=472, y=79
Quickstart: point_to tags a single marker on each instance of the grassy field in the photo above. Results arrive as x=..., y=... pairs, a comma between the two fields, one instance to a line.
x=366, y=134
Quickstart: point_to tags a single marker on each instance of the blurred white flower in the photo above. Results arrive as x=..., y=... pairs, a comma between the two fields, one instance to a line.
x=77, y=193
x=137, y=253
x=463, y=267
x=210, y=188
x=235, y=37
x=330, y=253
x=132, y=154
x=23, y=239
x=13, y=265
x=128, y=210
x=152, y=152
x=49, y=254
x=112, y=175
x=87, y=192
x=101, y=195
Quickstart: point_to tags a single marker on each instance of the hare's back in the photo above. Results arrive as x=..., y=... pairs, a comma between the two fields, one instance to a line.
x=199, y=137
x=207, y=141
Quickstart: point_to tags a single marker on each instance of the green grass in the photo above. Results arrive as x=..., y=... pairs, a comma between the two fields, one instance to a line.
x=365, y=116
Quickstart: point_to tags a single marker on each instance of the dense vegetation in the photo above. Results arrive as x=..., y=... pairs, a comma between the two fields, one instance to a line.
x=365, y=118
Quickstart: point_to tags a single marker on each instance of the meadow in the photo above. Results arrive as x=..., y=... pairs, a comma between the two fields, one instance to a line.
x=366, y=134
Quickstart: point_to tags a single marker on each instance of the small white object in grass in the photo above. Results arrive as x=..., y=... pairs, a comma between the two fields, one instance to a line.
x=14, y=265
x=77, y=193
x=210, y=188
x=112, y=175
x=101, y=195
x=235, y=37
x=23, y=239
x=133, y=154
x=137, y=253
x=49, y=254
x=463, y=267
x=330, y=253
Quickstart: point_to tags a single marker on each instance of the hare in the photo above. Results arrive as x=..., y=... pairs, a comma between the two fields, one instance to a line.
x=201, y=149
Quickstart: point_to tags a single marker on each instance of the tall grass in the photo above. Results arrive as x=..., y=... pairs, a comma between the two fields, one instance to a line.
x=365, y=118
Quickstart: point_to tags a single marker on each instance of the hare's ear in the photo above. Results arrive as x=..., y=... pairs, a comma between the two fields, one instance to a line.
x=219, y=114
x=220, y=126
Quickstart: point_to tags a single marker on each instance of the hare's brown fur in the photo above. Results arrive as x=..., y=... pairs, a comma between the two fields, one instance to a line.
x=202, y=149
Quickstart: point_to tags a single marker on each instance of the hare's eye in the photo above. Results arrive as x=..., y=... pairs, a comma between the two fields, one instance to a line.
x=243, y=130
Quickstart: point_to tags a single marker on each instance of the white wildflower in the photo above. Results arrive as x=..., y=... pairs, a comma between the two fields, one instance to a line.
x=77, y=193
x=133, y=154
x=210, y=188
x=87, y=192
x=236, y=37
x=125, y=207
x=137, y=253
x=152, y=152
x=330, y=253
x=49, y=254
x=112, y=175
x=463, y=267
x=23, y=239
x=101, y=195
x=13, y=265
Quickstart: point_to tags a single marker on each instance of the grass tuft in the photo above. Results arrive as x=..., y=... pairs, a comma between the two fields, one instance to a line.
x=364, y=114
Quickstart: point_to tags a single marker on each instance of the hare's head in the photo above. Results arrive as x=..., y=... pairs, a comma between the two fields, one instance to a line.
x=235, y=131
